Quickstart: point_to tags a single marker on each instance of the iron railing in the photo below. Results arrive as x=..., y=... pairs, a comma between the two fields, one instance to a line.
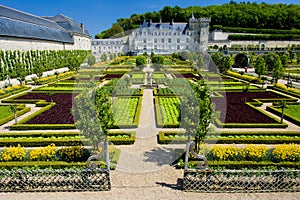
x=241, y=181
x=47, y=180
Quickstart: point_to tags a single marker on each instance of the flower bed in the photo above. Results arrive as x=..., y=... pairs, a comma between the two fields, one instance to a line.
x=58, y=114
x=236, y=111
x=188, y=75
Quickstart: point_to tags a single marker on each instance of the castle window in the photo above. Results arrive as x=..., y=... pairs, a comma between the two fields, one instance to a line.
x=187, y=40
x=145, y=41
x=169, y=40
x=155, y=40
x=178, y=46
x=162, y=40
x=178, y=40
x=145, y=47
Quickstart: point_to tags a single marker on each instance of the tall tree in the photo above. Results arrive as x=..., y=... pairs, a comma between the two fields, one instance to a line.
x=277, y=69
x=260, y=66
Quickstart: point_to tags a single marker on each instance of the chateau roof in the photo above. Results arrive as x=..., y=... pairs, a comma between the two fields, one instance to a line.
x=68, y=24
x=14, y=23
x=182, y=27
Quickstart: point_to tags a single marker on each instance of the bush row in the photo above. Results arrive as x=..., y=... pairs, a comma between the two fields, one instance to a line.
x=289, y=91
x=242, y=165
x=257, y=153
x=38, y=134
x=164, y=138
x=43, y=142
x=42, y=126
x=53, y=78
x=118, y=138
x=254, y=30
x=265, y=37
x=15, y=91
x=245, y=77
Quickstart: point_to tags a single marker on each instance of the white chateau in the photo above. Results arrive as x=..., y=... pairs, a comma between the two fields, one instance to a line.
x=24, y=31
x=160, y=38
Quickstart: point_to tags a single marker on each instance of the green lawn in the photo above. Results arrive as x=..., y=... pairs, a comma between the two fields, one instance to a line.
x=293, y=110
x=5, y=111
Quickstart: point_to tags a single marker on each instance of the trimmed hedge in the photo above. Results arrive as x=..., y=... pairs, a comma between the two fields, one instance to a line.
x=273, y=109
x=38, y=134
x=15, y=92
x=42, y=126
x=265, y=37
x=294, y=94
x=254, y=30
x=243, y=164
x=122, y=141
x=42, y=142
x=162, y=139
x=37, y=113
x=49, y=164
x=11, y=117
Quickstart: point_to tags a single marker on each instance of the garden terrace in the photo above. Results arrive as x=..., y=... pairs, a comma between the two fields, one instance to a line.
x=236, y=111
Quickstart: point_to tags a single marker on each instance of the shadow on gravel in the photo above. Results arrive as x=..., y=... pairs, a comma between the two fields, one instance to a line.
x=177, y=186
x=163, y=156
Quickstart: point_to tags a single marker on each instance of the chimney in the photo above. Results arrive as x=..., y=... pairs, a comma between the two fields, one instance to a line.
x=150, y=21
x=82, y=27
x=160, y=20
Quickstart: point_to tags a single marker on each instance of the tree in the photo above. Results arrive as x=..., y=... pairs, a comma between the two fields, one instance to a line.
x=284, y=60
x=13, y=108
x=245, y=91
x=157, y=61
x=226, y=64
x=282, y=105
x=91, y=60
x=93, y=113
x=277, y=69
x=140, y=61
x=260, y=66
x=103, y=57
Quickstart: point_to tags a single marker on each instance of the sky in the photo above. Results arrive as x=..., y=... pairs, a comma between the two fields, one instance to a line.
x=99, y=15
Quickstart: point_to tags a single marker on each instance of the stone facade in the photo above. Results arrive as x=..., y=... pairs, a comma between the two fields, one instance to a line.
x=160, y=38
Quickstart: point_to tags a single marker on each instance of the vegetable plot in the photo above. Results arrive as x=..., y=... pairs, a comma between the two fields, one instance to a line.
x=125, y=111
x=169, y=110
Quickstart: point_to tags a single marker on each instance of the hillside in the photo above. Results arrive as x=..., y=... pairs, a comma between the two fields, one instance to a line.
x=244, y=15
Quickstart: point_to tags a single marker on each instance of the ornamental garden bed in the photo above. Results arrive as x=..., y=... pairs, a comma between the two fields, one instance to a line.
x=60, y=113
x=188, y=75
x=236, y=112
x=12, y=90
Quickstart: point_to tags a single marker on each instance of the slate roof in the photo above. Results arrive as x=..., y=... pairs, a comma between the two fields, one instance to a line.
x=68, y=24
x=182, y=27
x=14, y=23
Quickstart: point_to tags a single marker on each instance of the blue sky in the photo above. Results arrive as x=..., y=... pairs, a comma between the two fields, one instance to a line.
x=98, y=15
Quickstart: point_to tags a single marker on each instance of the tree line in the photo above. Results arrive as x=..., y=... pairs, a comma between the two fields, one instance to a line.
x=19, y=64
x=247, y=15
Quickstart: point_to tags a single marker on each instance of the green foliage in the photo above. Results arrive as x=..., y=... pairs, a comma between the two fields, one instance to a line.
x=115, y=31
x=260, y=66
x=91, y=60
x=264, y=37
x=141, y=61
